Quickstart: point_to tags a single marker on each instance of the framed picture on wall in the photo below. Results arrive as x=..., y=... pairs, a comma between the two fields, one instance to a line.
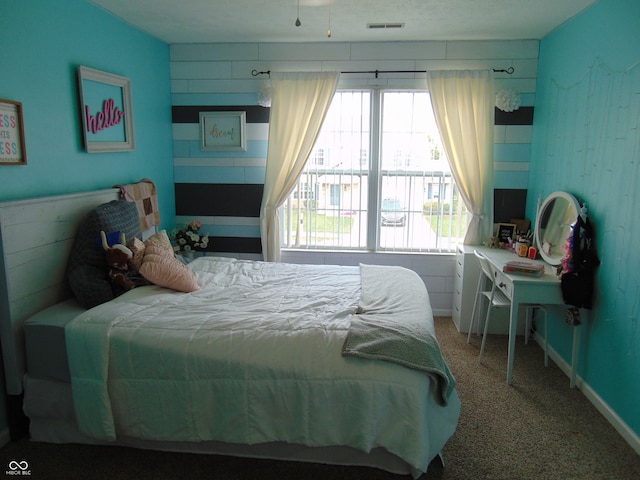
x=12, y=146
x=223, y=131
x=107, y=112
x=506, y=231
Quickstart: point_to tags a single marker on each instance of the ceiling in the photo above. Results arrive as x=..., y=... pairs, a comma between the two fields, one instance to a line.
x=230, y=21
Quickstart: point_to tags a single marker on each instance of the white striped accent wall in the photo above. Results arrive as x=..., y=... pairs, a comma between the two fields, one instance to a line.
x=218, y=77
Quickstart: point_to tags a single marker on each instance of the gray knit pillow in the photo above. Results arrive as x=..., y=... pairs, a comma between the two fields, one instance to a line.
x=87, y=270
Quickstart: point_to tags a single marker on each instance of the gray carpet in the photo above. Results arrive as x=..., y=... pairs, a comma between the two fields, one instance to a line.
x=538, y=428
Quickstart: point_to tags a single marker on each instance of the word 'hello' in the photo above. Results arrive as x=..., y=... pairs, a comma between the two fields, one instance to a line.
x=108, y=117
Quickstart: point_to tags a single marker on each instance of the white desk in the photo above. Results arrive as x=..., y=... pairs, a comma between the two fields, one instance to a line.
x=523, y=289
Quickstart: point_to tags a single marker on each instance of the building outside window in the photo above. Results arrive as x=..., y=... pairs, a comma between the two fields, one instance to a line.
x=379, y=177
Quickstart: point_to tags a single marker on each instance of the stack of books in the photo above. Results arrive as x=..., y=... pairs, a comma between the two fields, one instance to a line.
x=523, y=268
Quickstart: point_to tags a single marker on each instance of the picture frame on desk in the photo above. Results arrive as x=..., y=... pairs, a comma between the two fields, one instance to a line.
x=106, y=110
x=506, y=232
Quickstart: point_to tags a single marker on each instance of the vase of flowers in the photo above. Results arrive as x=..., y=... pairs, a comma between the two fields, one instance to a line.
x=189, y=239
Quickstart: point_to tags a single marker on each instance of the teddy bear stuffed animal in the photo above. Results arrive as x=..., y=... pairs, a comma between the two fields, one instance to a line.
x=118, y=257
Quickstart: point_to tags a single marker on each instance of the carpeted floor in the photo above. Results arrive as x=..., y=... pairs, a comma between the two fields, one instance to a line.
x=538, y=428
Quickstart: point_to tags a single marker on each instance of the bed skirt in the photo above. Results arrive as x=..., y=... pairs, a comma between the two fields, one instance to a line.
x=49, y=406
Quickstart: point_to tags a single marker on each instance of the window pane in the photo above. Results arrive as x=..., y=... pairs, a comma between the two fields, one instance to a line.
x=337, y=174
x=418, y=206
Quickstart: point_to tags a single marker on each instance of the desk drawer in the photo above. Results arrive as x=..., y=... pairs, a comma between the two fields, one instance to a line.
x=505, y=284
x=459, y=263
x=457, y=297
x=458, y=281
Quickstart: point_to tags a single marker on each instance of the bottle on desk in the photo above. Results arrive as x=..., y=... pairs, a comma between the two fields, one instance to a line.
x=522, y=248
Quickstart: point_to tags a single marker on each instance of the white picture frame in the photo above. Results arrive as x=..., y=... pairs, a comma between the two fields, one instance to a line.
x=106, y=111
x=223, y=131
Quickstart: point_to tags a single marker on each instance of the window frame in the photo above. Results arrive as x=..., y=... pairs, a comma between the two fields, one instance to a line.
x=374, y=174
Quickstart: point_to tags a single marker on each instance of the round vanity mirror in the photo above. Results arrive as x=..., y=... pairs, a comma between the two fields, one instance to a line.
x=556, y=216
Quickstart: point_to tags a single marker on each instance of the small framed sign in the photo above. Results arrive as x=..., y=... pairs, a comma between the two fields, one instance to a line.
x=12, y=147
x=107, y=112
x=506, y=232
x=223, y=130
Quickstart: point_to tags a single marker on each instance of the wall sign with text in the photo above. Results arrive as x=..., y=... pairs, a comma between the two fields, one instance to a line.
x=223, y=130
x=107, y=112
x=506, y=232
x=12, y=148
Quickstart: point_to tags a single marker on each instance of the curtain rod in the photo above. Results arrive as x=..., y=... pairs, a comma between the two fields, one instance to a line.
x=508, y=71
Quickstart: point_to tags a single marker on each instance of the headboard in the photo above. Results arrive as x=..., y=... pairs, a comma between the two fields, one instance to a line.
x=36, y=236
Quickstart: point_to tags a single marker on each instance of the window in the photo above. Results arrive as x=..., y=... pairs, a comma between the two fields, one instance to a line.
x=379, y=177
x=317, y=157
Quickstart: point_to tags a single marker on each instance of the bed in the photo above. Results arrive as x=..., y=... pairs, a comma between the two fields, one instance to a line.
x=318, y=363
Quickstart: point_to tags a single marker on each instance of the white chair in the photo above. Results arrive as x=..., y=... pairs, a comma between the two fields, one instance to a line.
x=488, y=289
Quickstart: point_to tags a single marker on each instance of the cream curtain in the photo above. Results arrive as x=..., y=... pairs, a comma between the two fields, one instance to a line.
x=299, y=103
x=463, y=103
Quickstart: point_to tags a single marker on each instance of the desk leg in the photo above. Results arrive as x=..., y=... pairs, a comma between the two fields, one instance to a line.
x=513, y=328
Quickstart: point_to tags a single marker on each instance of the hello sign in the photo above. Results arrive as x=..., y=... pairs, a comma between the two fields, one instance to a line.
x=107, y=114
x=110, y=116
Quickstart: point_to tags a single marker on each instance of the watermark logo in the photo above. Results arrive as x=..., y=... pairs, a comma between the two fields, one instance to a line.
x=18, y=468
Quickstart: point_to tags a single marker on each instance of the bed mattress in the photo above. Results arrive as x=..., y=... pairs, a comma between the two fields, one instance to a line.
x=44, y=335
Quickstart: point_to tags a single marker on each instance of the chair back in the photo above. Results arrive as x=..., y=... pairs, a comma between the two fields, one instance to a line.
x=485, y=264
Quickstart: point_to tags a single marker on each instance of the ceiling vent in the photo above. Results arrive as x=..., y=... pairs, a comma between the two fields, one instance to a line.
x=383, y=26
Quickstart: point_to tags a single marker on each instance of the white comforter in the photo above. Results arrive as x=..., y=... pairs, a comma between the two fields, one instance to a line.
x=253, y=356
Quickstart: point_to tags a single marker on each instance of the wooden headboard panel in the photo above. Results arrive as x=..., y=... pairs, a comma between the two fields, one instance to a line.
x=36, y=236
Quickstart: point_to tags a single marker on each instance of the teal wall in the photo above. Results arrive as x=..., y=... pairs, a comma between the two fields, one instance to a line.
x=43, y=42
x=586, y=140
